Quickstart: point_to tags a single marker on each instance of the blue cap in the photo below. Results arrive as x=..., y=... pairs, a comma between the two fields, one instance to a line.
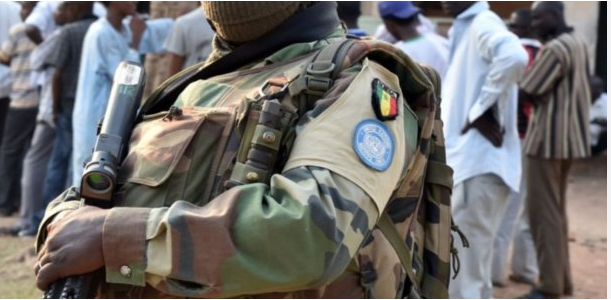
x=397, y=9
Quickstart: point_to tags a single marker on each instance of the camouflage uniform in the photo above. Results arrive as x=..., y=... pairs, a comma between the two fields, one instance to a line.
x=310, y=230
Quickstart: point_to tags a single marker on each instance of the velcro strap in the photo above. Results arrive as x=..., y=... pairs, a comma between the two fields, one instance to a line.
x=267, y=137
x=439, y=173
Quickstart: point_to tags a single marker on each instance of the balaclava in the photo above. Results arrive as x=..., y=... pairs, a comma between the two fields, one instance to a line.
x=241, y=21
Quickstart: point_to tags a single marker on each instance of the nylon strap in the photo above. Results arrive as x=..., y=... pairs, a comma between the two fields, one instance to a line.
x=433, y=288
x=389, y=230
x=267, y=137
x=439, y=173
x=243, y=174
x=317, y=77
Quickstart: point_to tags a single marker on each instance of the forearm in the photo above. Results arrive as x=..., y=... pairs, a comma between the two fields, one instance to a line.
x=531, y=98
x=33, y=33
x=299, y=232
x=4, y=59
x=135, y=44
x=541, y=79
x=56, y=89
x=508, y=62
x=176, y=63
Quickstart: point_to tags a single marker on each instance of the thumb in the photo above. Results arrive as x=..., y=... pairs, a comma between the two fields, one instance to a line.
x=47, y=275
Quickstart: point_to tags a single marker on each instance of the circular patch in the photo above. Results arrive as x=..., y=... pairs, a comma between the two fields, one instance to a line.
x=374, y=144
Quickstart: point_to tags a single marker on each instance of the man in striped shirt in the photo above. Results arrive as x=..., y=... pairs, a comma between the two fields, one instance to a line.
x=21, y=117
x=558, y=88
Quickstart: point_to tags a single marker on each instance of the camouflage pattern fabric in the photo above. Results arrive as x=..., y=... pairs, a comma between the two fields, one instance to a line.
x=309, y=232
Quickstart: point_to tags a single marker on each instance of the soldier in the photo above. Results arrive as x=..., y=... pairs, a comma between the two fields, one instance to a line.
x=274, y=173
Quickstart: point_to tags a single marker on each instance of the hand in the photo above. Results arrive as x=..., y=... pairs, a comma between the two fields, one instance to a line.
x=55, y=112
x=487, y=125
x=73, y=246
x=600, y=121
x=137, y=25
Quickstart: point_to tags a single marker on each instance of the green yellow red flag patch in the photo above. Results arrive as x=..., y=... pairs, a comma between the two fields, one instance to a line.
x=384, y=101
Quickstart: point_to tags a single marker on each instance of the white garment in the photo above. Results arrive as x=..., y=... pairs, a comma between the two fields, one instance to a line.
x=9, y=16
x=478, y=205
x=427, y=49
x=504, y=237
x=191, y=37
x=99, y=10
x=515, y=228
x=426, y=26
x=42, y=17
x=524, y=256
x=598, y=111
x=486, y=61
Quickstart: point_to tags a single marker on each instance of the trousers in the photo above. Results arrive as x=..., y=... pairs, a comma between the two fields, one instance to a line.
x=546, y=185
x=3, y=109
x=59, y=166
x=478, y=205
x=18, y=130
x=34, y=173
x=524, y=256
x=515, y=228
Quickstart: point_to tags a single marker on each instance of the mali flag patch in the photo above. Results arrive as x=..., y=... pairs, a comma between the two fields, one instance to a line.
x=384, y=101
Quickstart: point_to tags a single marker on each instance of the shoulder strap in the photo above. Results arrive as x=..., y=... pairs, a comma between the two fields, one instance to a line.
x=386, y=225
x=316, y=78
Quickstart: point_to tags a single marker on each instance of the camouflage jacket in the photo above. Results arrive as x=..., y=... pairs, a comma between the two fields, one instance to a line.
x=310, y=230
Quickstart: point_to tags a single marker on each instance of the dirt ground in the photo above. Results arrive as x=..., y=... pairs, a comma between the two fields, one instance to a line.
x=587, y=209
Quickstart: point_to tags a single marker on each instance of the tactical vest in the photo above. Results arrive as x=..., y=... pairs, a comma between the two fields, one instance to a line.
x=239, y=128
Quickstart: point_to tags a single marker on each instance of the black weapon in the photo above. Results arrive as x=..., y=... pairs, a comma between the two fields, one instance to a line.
x=99, y=178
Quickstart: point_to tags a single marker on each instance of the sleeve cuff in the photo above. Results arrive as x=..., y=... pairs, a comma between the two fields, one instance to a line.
x=133, y=55
x=487, y=99
x=125, y=253
x=67, y=201
x=525, y=87
x=476, y=111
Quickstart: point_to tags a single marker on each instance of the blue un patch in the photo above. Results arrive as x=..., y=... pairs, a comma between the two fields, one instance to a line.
x=374, y=145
